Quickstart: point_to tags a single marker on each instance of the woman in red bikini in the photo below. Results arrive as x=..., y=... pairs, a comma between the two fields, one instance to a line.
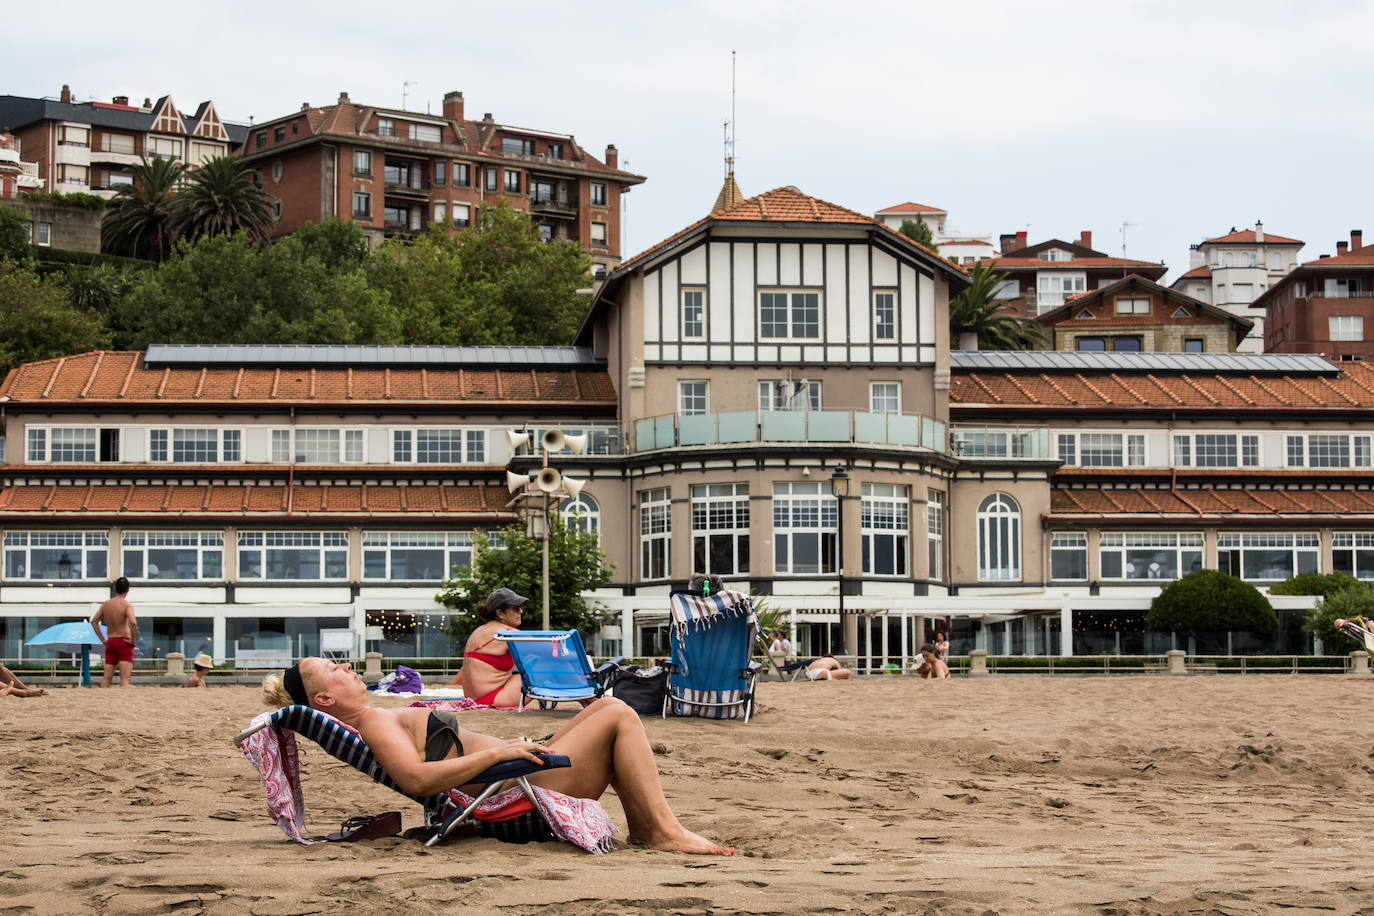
x=489, y=677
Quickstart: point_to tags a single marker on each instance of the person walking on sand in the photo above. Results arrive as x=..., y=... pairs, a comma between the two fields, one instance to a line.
x=121, y=629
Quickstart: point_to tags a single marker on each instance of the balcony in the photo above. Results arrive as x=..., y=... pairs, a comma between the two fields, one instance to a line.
x=71, y=154
x=1012, y=443
x=815, y=426
x=410, y=190
x=543, y=206
x=115, y=157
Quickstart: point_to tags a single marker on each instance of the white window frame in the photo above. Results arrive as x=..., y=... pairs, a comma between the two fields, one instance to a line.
x=1132, y=305
x=599, y=233
x=1345, y=327
x=331, y=548
x=655, y=534
x=693, y=397
x=1053, y=289
x=291, y=438
x=884, y=316
x=796, y=307
x=1321, y=450
x=46, y=440
x=720, y=519
x=406, y=446
x=1131, y=555
x=885, y=529
x=89, y=552
x=137, y=550
x=389, y=547
x=1209, y=450
x=1088, y=447
x=935, y=534
x=771, y=395
x=598, y=194
x=1073, y=547
x=999, y=539
x=1352, y=552
x=884, y=397
x=1236, y=554
x=582, y=514
x=465, y=219
x=804, y=512
x=693, y=328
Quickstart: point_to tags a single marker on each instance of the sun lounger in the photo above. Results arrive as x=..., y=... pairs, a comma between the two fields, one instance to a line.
x=711, y=673
x=553, y=667
x=785, y=670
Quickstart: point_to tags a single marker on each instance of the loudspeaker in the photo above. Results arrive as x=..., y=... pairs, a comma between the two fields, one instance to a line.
x=573, y=487
x=548, y=480
x=516, y=438
x=576, y=442
x=552, y=440
x=516, y=481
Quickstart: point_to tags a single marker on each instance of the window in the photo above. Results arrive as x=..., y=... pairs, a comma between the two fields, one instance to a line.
x=461, y=217
x=44, y=234
x=178, y=555
x=353, y=446
x=386, y=127
x=785, y=394
x=1346, y=327
x=517, y=146
x=694, y=314
x=396, y=217
x=74, y=174
x=598, y=194
x=598, y=233
x=999, y=539
x=1008, y=289
x=720, y=529
x=1056, y=254
x=316, y=446
x=655, y=530
x=74, y=135
x=1068, y=448
x=543, y=191
x=1132, y=305
x=195, y=446
x=555, y=150
x=1068, y=555
x=691, y=397
x=362, y=162
x=790, y=314
x=117, y=143
x=231, y=441
x=935, y=533
x=61, y=444
x=1353, y=554
x=260, y=140
x=395, y=172
x=512, y=181
x=462, y=174
x=441, y=213
x=582, y=514
x=997, y=443
x=1329, y=451
x=805, y=517
x=884, y=316
x=438, y=446
x=426, y=133
x=279, y=133
x=1102, y=450
x=1194, y=345
x=1275, y=260
x=362, y=204
x=428, y=556
x=491, y=179
x=1242, y=292
x=1132, y=344
x=286, y=555
x=1216, y=450
x=885, y=397
x=884, y=529
x=1267, y=557
x=1053, y=288
x=1148, y=556
x=56, y=555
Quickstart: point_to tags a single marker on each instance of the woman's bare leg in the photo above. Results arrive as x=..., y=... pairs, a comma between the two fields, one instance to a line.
x=608, y=746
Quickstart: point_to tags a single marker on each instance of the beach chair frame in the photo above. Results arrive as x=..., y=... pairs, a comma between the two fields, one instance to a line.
x=748, y=674
x=589, y=683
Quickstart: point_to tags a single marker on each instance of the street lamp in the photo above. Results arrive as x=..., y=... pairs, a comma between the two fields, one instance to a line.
x=839, y=488
x=543, y=485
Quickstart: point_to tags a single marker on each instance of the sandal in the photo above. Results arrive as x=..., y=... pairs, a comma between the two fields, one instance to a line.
x=367, y=827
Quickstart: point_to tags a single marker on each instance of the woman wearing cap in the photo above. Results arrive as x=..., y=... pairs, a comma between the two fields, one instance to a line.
x=425, y=751
x=489, y=677
x=203, y=664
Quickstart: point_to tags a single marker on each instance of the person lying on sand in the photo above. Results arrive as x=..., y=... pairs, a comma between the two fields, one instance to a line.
x=932, y=667
x=15, y=687
x=826, y=668
x=606, y=742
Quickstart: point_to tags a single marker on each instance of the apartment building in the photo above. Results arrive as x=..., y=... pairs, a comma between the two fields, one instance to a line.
x=395, y=172
x=958, y=245
x=16, y=173
x=1136, y=315
x=1044, y=276
x=88, y=147
x=1321, y=306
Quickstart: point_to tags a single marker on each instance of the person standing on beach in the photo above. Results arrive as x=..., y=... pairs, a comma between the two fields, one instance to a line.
x=121, y=629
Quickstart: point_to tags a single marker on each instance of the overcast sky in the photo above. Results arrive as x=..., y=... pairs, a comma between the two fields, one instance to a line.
x=1182, y=119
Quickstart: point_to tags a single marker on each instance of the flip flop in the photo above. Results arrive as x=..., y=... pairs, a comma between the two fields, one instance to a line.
x=367, y=827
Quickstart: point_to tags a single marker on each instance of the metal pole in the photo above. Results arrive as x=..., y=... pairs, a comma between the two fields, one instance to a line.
x=845, y=648
x=547, y=534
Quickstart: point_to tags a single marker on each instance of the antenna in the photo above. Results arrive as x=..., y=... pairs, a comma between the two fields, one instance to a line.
x=728, y=127
x=1123, y=236
x=405, y=90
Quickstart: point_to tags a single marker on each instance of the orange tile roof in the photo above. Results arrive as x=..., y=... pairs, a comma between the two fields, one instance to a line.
x=1360, y=257
x=1247, y=237
x=233, y=500
x=1006, y=263
x=910, y=207
x=1203, y=271
x=122, y=376
x=1205, y=502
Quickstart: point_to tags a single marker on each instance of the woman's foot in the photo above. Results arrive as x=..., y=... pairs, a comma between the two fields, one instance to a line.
x=686, y=841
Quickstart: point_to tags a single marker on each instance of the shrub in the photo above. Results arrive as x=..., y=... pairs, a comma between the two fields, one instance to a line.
x=1313, y=584
x=1208, y=601
x=82, y=201
x=1356, y=599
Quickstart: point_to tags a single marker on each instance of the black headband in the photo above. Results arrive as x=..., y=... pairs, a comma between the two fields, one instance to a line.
x=291, y=680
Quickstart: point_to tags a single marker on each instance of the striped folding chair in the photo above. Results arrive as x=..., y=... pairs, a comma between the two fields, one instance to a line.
x=519, y=822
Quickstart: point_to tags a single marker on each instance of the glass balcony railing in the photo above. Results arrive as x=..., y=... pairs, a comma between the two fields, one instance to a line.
x=1000, y=442
x=819, y=426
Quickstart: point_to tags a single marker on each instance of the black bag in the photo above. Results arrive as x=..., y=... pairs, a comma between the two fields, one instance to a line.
x=642, y=689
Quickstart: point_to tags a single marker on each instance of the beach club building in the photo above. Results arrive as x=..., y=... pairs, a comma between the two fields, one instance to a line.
x=768, y=395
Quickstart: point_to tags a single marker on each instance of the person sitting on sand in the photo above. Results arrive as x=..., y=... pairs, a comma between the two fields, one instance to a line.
x=941, y=646
x=17, y=688
x=826, y=668
x=426, y=751
x=932, y=667
x=489, y=677
x=203, y=664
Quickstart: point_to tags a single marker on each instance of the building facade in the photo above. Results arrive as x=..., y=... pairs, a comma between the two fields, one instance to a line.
x=1044, y=276
x=1321, y=306
x=1136, y=315
x=958, y=245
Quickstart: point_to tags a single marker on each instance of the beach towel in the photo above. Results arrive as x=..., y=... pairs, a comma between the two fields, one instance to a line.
x=689, y=608
x=274, y=754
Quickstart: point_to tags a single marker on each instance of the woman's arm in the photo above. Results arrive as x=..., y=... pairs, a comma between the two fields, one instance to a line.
x=394, y=748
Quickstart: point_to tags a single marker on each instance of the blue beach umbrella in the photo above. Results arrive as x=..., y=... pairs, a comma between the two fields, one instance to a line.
x=70, y=637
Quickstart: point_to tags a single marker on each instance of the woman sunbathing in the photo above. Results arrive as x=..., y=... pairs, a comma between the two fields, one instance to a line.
x=425, y=751
x=16, y=687
x=489, y=677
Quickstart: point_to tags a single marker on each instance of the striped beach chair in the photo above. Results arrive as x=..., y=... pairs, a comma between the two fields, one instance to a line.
x=711, y=671
x=520, y=822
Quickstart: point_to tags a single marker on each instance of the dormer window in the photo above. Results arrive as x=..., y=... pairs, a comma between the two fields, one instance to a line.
x=517, y=146
x=1056, y=254
x=386, y=127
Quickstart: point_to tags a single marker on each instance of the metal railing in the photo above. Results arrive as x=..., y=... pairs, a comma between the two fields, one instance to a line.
x=820, y=426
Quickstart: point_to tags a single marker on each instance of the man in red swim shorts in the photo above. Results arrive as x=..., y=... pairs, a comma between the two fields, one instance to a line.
x=121, y=629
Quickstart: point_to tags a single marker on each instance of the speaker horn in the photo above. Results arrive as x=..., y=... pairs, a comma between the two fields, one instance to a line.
x=577, y=442
x=548, y=480
x=573, y=486
x=516, y=481
x=553, y=440
x=516, y=438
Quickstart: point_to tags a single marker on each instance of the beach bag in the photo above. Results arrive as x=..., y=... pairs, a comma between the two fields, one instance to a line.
x=642, y=689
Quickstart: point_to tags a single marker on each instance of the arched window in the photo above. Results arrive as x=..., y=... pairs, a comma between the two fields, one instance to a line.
x=999, y=539
x=582, y=514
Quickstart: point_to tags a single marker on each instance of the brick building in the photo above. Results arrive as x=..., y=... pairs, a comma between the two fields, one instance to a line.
x=1136, y=315
x=394, y=172
x=1321, y=306
x=1043, y=276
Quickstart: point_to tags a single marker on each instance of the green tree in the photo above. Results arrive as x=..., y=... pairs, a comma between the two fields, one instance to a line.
x=1354, y=599
x=336, y=243
x=576, y=565
x=95, y=287
x=140, y=220
x=978, y=309
x=919, y=232
x=221, y=198
x=14, y=235
x=1208, y=601
x=1313, y=584
x=38, y=322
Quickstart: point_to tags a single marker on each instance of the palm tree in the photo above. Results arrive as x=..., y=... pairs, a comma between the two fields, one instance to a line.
x=139, y=220
x=222, y=196
x=978, y=309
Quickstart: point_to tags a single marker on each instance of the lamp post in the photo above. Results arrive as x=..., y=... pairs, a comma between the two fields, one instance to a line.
x=839, y=488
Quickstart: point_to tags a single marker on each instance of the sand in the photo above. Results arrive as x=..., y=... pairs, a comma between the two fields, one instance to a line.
x=1222, y=794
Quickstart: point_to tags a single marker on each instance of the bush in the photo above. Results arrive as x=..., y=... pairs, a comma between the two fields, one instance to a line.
x=1355, y=600
x=57, y=198
x=1211, y=601
x=1313, y=584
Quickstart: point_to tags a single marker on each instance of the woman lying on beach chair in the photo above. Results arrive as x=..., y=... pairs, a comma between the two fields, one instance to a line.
x=425, y=751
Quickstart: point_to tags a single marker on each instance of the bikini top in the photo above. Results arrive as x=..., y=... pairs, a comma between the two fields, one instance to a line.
x=502, y=662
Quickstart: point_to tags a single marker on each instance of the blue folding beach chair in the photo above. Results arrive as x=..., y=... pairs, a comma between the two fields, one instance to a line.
x=442, y=815
x=711, y=672
x=554, y=668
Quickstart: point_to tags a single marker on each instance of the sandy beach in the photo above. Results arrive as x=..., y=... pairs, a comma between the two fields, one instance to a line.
x=1012, y=795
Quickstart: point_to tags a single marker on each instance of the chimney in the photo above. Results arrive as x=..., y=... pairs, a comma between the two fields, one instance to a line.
x=120, y=100
x=1342, y=248
x=1194, y=257
x=453, y=106
x=1356, y=239
x=1006, y=241
x=1085, y=238
x=343, y=99
x=305, y=106
x=612, y=156
x=147, y=104
x=1021, y=239
x=1259, y=230
x=66, y=93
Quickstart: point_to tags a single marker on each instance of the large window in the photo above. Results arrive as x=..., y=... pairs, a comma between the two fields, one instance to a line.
x=997, y=443
x=1353, y=554
x=885, y=529
x=1102, y=450
x=462, y=174
x=935, y=533
x=999, y=539
x=462, y=216
x=1216, y=450
x=1148, y=555
x=438, y=446
x=362, y=162
x=1323, y=450
x=692, y=397
x=885, y=397
x=785, y=394
x=1068, y=555
x=317, y=446
x=512, y=181
x=1053, y=288
x=655, y=534
x=57, y=555
x=62, y=444
x=720, y=528
x=598, y=192
x=1346, y=327
x=582, y=514
x=805, y=518
x=1267, y=557
x=1132, y=305
x=884, y=315
x=788, y=314
x=417, y=556
x=693, y=314
x=292, y=555
x=173, y=554
x=518, y=146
